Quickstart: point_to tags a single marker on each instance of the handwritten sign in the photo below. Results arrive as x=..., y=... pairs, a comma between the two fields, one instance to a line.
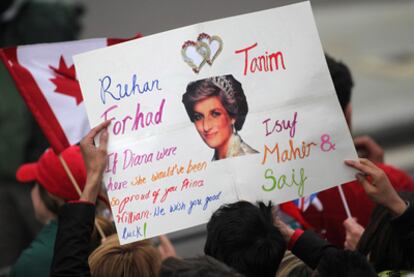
x=238, y=108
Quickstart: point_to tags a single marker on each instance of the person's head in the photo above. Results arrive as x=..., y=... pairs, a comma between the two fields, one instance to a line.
x=243, y=236
x=343, y=83
x=139, y=258
x=45, y=205
x=344, y=263
x=292, y=266
x=53, y=186
x=204, y=266
x=383, y=244
x=217, y=106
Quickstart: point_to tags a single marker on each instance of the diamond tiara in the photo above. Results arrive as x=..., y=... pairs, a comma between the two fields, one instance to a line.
x=222, y=83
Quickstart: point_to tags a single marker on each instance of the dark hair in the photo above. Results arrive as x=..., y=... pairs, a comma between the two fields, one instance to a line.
x=344, y=263
x=388, y=249
x=51, y=204
x=227, y=88
x=243, y=236
x=204, y=266
x=342, y=80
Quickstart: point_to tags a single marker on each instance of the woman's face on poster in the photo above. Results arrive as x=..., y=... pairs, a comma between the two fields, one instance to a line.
x=213, y=122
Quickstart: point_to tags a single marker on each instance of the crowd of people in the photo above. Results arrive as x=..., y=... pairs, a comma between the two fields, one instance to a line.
x=243, y=239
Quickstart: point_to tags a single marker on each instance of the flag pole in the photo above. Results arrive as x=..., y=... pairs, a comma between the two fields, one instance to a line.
x=78, y=190
x=344, y=202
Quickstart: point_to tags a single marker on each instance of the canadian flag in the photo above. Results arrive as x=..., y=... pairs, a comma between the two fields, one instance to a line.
x=45, y=77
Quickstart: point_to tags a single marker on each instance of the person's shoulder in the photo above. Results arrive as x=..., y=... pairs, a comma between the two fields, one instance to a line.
x=399, y=178
x=31, y=264
x=37, y=258
x=42, y=246
x=390, y=169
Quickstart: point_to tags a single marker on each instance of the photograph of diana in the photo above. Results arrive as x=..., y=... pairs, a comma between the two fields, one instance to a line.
x=217, y=106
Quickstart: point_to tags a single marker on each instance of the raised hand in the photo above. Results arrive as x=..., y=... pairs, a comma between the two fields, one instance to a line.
x=95, y=160
x=377, y=186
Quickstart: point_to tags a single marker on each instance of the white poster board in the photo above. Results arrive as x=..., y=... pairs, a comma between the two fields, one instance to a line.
x=165, y=172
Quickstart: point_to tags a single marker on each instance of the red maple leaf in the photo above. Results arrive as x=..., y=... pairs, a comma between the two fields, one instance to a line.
x=65, y=81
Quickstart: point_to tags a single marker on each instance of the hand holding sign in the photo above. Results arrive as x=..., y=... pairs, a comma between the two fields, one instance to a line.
x=377, y=186
x=95, y=160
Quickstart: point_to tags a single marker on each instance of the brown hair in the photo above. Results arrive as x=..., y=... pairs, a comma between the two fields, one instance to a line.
x=203, y=266
x=291, y=266
x=135, y=259
x=52, y=203
x=227, y=88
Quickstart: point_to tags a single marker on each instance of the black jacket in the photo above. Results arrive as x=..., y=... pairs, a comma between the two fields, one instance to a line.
x=310, y=248
x=72, y=246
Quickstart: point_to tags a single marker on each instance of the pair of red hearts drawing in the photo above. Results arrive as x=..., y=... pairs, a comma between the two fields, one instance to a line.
x=204, y=50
